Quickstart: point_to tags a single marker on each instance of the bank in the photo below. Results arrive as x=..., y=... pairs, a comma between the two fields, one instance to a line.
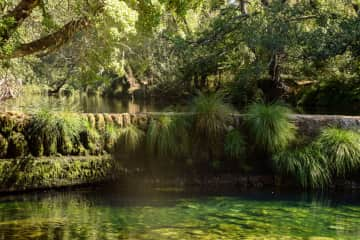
x=90, y=162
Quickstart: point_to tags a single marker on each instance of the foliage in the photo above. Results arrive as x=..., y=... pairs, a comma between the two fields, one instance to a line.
x=334, y=153
x=270, y=126
x=130, y=138
x=65, y=129
x=17, y=145
x=307, y=164
x=3, y=146
x=235, y=145
x=27, y=173
x=111, y=135
x=341, y=149
x=168, y=136
x=91, y=139
x=210, y=116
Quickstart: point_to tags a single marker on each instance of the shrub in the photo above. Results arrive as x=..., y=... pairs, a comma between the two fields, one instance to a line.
x=55, y=132
x=130, y=138
x=168, y=136
x=91, y=139
x=335, y=152
x=341, y=148
x=270, y=126
x=111, y=135
x=210, y=116
x=235, y=144
x=69, y=128
x=307, y=164
x=43, y=125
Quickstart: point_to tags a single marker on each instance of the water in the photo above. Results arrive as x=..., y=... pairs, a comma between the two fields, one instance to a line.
x=30, y=103
x=94, y=214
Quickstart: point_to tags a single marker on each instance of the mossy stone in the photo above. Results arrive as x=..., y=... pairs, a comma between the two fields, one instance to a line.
x=17, y=145
x=65, y=146
x=36, y=146
x=117, y=119
x=7, y=124
x=92, y=120
x=100, y=122
x=108, y=119
x=92, y=141
x=50, y=145
x=126, y=119
x=3, y=146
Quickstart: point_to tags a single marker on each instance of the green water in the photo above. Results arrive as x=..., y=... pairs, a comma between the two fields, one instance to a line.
x=98, y=215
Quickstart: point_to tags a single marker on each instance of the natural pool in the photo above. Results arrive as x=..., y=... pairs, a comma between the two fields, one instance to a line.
x=94, y=214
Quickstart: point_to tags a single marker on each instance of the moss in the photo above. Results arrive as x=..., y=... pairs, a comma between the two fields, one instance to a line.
x=3, y=146
x=17, y=145
x=27, y=173
x=126, y=119
x=7, y=124
x=65, y=146
x=92, y=141
x=100, y=122
x=108, y=119
x=36, y=146
x=117, y=119
x=91, y=120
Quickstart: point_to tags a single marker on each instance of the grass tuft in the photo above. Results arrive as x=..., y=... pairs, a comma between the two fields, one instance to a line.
x=168, y=136
x=210, y=116
x=235, y=145
x=130, y=138
x=270, y=126
x=341, y=148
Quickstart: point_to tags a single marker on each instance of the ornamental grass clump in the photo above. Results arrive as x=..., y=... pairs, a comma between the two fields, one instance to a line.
x=270, y=126
x=235, y=145
x=335, y=152
x=168, y=136
x=69, y=127
x=111, y=135
x=43, y=133
x=210, y=116
x=50, y=133
x=307, y=164
x=130, y=138
x=341, y=148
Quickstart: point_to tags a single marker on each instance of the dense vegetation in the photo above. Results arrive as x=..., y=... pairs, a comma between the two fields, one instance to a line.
x=208, y=140
x=306, y=52
x=253, y=54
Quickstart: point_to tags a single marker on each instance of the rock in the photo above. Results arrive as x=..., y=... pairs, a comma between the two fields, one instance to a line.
x=126, y=119
x=100, y=122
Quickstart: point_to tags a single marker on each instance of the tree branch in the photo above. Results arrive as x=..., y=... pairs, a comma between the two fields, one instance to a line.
x=16, y=17
x=51, y=41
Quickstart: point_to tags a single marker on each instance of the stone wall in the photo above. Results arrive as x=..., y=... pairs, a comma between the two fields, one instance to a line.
x=15, y=142
x=25, y=172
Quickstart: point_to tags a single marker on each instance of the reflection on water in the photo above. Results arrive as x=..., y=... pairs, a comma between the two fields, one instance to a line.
x=94, y=215
x=76, y=103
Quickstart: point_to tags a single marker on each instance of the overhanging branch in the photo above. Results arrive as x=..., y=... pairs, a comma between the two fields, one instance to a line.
x=51, y=41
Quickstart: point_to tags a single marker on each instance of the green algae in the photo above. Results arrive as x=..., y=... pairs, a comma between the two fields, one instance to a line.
x=28, y=173
x=101, y=216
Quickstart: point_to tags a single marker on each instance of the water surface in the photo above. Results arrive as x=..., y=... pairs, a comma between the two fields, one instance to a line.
x=98, y=215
